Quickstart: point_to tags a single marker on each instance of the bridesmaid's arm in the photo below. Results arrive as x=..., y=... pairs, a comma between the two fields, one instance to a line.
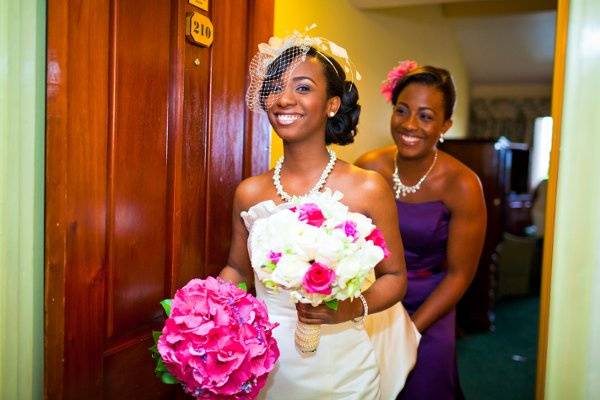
x=465, y=242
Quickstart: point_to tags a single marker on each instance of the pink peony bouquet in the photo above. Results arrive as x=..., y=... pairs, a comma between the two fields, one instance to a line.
x=317, y=250
x=217, y=341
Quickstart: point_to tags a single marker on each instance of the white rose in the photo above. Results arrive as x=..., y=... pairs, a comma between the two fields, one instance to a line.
x=348, y=268
x=329, y=249
x=364, y=224
x=359, y=263
x=283, y=226
x=290, y=271
x=306, y=242
x=368, y=257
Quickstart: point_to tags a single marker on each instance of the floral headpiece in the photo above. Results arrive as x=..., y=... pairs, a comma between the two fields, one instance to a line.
x=395, y=74
x=260, y=95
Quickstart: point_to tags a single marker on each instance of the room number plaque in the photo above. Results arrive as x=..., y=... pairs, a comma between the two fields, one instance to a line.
x=199, y=30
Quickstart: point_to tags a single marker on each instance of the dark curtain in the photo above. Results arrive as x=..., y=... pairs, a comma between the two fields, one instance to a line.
x=510, y=117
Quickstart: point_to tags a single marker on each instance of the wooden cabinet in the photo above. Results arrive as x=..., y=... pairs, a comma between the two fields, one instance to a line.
x=501, y=175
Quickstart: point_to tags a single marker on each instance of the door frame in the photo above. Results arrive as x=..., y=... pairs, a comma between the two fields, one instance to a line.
x=558, y=88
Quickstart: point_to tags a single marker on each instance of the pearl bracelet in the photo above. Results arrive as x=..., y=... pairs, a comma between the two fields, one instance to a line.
x=362, y=318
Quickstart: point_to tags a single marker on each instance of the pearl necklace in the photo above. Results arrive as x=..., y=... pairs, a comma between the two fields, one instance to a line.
x=402, y=189
x=318, y=186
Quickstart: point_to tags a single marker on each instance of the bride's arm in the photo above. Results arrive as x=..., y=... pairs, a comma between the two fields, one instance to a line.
x=238, y=267
x=376, y=199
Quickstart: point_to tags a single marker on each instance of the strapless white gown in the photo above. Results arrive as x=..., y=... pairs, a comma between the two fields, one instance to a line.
x=351, y=362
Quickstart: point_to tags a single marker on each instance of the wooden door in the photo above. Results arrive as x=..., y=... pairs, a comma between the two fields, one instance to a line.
x=147, y=137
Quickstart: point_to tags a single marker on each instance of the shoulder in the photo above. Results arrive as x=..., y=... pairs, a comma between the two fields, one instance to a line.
x=461, y=184
x=459, y=175
x=377, y=160
x=252, y=190
x=363, y=187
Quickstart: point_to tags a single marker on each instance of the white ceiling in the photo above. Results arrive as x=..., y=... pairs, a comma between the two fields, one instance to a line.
x=507, y=49
x=503, y=48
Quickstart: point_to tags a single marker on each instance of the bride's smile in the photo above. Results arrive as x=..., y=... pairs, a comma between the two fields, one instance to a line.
x=298, y=111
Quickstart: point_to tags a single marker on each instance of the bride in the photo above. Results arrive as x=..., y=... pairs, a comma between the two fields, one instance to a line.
x=310, y=105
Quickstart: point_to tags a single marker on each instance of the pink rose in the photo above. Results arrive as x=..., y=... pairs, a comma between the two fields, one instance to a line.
x=378, y=240
x=349, y=228
x=318, y=279
x=311, y=214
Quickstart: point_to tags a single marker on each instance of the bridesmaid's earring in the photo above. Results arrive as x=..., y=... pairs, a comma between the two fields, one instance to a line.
x=441, y=139
x=331, y=114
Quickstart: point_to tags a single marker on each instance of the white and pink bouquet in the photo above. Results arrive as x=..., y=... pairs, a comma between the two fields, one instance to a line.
x=318, y=250
x=217, y=341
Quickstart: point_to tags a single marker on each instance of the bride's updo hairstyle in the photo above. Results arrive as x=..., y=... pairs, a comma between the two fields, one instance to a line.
x=270, y=68
x=341, y=128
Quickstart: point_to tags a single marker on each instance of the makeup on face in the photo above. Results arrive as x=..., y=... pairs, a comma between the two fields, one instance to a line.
x=301, y=106
x=418, y=119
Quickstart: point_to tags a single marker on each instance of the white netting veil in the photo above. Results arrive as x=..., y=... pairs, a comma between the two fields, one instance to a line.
x=270, y=68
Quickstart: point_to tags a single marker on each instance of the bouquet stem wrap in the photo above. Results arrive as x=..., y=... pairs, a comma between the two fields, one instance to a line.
x=307, y=337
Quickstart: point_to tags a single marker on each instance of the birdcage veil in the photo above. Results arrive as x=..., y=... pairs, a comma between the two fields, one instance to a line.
x=270, y=68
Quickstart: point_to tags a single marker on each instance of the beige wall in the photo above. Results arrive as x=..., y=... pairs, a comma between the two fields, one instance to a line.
x=376, y=41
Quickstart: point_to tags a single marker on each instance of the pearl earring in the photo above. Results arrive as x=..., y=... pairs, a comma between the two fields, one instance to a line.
x=441, y=139
x=331, y=114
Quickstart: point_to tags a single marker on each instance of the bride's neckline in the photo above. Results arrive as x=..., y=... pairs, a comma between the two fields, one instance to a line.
x=287, y=204
x=286, y=197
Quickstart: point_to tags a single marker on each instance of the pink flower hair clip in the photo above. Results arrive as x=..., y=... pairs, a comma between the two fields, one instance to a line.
x=395, y=74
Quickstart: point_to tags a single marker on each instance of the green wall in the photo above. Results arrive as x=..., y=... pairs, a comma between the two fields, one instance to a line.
x=573, y=363
x=22, y=116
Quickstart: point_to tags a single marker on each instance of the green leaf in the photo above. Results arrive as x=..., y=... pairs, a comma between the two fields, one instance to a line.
x=270, y=284
x=166, y=303
x=168, y=379
x=156, y=335
x=243, y=286
x=160, y=366
x=153, y=349
x=270, y=265
x=333, y=304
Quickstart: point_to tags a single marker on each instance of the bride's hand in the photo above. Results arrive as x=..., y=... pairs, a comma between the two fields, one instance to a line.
x=322, y=314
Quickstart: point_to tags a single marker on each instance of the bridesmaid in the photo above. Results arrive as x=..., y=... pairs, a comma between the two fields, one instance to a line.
x=442, y=219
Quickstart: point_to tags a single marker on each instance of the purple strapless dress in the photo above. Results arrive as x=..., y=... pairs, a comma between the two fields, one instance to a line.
x=424, y=229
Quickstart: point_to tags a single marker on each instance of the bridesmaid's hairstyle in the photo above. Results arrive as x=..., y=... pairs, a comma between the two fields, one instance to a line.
x=341, y=128
x=438, y=78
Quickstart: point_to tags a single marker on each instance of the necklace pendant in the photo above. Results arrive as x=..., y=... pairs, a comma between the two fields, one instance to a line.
x=402, y=189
